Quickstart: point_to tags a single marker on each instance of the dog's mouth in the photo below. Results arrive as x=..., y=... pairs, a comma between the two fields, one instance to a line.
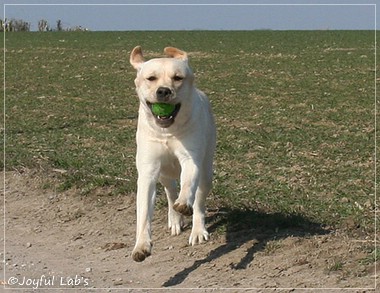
x=166, y=120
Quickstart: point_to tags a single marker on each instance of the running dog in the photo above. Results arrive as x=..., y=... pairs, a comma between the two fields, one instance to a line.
x=177, y=145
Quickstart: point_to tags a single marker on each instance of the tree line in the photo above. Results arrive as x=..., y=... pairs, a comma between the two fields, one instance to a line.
x=19, y=25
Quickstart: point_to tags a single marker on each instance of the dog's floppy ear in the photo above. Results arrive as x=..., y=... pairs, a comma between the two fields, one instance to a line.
x=175, y=53
x=136, y=58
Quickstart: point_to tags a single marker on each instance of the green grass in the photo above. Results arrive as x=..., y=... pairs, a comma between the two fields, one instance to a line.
x=335, y=266
x=294, y=111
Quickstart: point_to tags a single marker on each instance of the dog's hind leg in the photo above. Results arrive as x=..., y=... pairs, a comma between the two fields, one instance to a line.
x=175, y=220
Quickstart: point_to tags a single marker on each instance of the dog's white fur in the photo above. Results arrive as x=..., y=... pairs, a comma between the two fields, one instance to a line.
x=183, y=150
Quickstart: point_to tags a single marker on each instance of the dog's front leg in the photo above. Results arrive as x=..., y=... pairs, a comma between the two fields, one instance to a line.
x=189, y=185
x=146, y=193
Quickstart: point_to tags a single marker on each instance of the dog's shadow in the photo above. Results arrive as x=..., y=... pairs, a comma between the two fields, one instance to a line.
x=244, y=226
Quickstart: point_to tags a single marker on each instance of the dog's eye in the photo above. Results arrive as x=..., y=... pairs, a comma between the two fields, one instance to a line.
x=151, y=78
x=177, y=78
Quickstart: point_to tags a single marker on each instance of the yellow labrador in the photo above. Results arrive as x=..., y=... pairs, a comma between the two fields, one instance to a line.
x=178, y=145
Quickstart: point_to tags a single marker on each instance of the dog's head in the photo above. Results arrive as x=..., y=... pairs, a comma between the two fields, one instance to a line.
x=163, y=80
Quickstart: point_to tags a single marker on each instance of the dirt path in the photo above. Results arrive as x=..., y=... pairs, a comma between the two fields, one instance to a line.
x=63, y=240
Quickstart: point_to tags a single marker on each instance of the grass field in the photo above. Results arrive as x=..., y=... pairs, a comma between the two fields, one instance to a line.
x=294, y=110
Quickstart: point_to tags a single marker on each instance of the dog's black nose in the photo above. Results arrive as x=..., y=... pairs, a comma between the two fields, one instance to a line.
x=163, y=94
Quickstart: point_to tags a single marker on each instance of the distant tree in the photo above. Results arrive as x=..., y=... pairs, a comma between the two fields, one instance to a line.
x=43, y=25
x=18, y=25
x=14, y=25
x=25, y=26
x=78, y=28
x=59, y=25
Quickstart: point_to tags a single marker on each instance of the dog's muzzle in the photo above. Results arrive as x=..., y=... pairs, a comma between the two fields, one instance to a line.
x=165, y=121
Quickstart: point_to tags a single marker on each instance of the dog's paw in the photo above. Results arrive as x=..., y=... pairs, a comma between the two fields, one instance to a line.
x=141, y=252
x=175, y=223
x=198, y=236
x=183, y=209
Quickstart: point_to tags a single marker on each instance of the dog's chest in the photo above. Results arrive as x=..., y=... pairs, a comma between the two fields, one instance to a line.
x=169, y=158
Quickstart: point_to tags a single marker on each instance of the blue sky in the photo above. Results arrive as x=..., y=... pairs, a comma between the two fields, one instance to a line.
x=216, y=15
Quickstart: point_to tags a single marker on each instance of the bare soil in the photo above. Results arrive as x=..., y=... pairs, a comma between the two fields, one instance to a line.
x=67, y=240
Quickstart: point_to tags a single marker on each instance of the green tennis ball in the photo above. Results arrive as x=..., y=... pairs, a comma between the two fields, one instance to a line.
x=162, y=109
